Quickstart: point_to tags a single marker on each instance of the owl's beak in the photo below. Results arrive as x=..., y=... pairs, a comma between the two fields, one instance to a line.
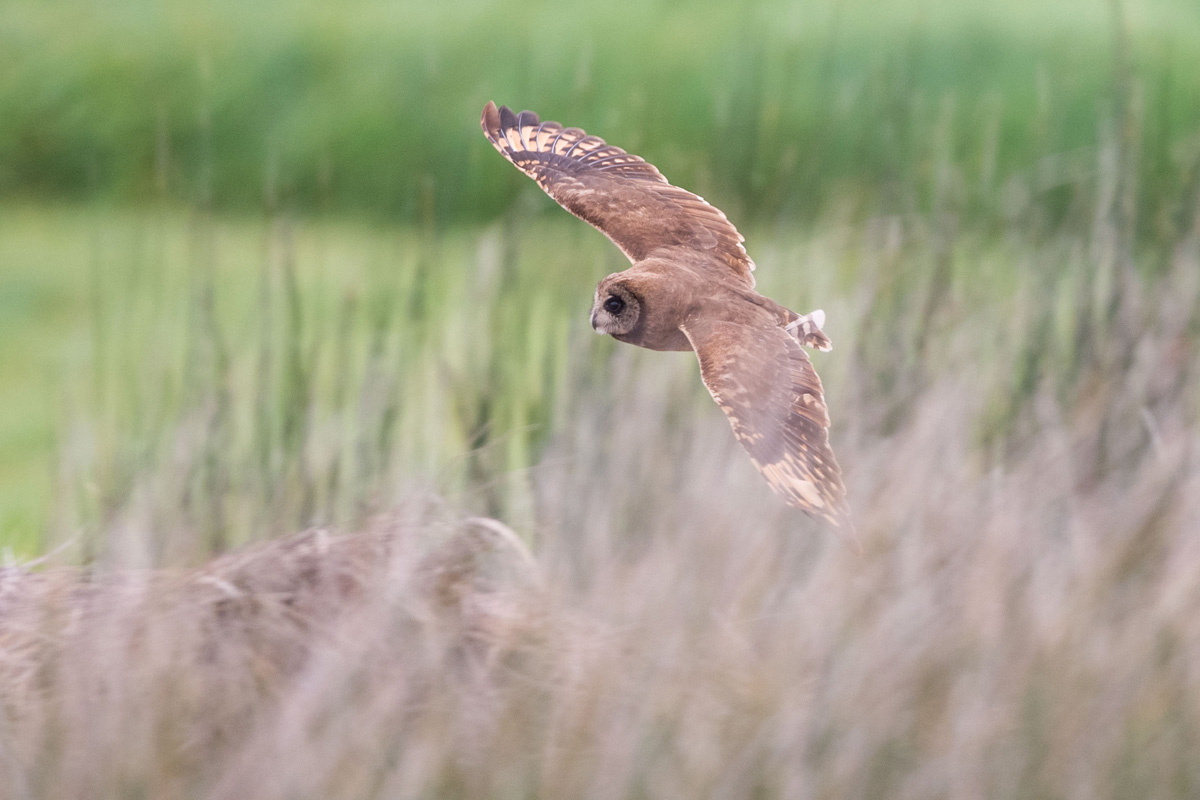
x=596, y=327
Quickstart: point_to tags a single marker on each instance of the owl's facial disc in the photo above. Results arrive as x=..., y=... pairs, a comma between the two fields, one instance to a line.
x=615, y=311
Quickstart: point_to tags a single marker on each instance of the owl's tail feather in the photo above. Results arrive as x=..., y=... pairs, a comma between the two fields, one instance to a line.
x=807, y=330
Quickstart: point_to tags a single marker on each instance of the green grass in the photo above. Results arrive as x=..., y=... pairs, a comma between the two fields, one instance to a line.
x=316, y=357
x=287, y=373
x=267, y=327
x=783, y=109
x=992, y=121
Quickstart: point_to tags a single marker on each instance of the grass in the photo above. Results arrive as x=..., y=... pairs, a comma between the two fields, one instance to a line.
x=346, y=319
x=1021, y=622
x=304, y=367
x=360, y=123
x=259, y=274
x=784, y=110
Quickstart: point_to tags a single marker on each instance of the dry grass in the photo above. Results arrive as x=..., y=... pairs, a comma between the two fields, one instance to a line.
x=1023, y=621
x=142, y=682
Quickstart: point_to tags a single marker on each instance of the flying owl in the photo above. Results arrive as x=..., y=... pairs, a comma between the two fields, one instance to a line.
x=691, y=287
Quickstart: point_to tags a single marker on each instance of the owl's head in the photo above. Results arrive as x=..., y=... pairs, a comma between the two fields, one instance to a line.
x=617, y=308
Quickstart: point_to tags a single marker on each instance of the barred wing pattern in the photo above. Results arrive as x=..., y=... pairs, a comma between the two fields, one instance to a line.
x=620, y=194
x=763, y=381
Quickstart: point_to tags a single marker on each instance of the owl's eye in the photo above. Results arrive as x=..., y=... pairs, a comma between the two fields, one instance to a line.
x=614, y=305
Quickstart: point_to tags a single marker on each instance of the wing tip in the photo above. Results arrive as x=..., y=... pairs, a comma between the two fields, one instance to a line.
x=490, y=120
x=839, y=518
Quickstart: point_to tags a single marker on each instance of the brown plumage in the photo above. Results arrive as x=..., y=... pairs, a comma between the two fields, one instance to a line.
x=691, y=287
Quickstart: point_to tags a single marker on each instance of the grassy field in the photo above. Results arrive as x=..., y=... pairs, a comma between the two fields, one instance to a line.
x=782, y=109
x=358, y=125
x=342, y=343
x=1020, y=440
x=260, y=274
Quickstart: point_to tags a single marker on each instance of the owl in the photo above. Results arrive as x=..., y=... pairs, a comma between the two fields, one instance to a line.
x=691, y=287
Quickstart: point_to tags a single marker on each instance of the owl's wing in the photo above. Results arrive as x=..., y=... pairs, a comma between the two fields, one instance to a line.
x=620, y=194
x=763, y=381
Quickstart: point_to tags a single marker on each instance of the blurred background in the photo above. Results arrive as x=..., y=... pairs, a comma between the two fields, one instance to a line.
x=219, y=213
x=261, y=272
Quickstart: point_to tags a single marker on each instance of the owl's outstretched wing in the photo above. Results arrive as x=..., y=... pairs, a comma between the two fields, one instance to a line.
x=620, y=194
x=763, y=381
